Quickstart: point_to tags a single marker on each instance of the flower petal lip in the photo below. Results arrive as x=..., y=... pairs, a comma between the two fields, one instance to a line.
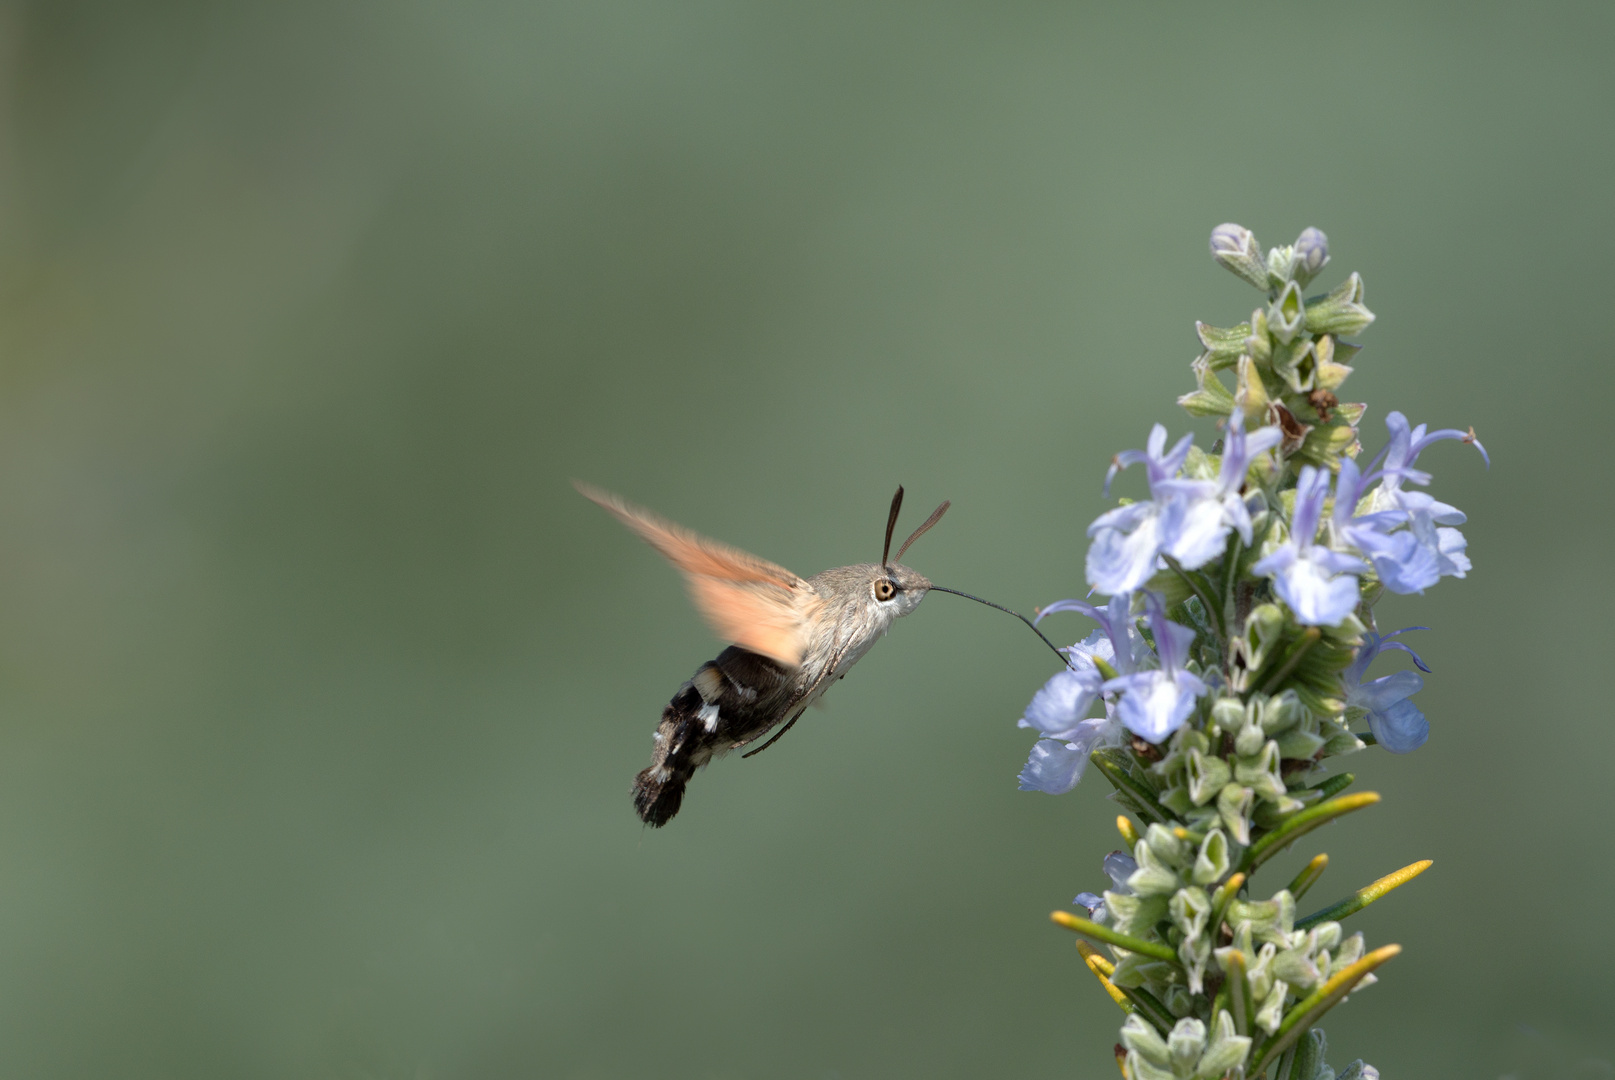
x=1052, y=768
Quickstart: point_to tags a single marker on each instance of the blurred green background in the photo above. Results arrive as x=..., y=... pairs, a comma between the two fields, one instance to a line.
x=322, y=690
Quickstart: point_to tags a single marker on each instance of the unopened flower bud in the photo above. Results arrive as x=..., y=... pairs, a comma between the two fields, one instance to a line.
x=1309, y=1055
x=1224, y=1050
x=1185, y=1044
x=1311, y=255
x=1287, y=315
x=1229, y=712
x=1280, y=264
x=1259, y=347
x=1207, y=775
x=1342, y=311
x=1359, y=1071
x=1234, y=804
x=1235, y=247
x=1212, y=863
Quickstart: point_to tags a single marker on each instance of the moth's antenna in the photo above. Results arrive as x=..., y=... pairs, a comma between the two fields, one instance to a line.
x=1001, y=607
x=936, y=516
x=891, y=523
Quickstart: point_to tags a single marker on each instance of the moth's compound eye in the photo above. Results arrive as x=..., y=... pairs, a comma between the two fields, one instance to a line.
x=884, y=589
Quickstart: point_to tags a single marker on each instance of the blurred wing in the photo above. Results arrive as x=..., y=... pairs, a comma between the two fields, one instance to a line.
x=748, y=601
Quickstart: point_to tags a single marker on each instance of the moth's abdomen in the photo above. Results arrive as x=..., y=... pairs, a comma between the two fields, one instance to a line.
x=729, y=702
x=659, y=790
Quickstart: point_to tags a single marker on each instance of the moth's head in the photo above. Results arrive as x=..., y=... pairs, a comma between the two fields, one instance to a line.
x=894, y=588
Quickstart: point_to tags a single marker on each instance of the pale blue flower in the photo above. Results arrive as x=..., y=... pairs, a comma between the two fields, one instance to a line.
x=1188, y=520
x=1053, y=768
x=1317, y=583
x=1127, y=648
x=1407, y=560
x=1403, y=563
x=1119, y=866
x=1200, y=513
x=1156, y=703
x=1059, y=711
x=1396, y=722
x=1127, y=541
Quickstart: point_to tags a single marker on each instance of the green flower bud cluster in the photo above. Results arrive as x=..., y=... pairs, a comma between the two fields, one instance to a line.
x=1184, y=1053
x=1288, y=361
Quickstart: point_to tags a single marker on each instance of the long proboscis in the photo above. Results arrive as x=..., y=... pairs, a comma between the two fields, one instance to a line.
x=1029, y=623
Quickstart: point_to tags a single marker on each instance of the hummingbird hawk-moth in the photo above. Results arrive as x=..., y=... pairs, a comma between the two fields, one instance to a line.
x=792, y=637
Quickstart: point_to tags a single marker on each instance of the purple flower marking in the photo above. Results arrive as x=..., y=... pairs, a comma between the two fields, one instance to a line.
x=1396, y=722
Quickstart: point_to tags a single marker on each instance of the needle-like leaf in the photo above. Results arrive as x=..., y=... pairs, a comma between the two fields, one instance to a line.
x=1102, y=969
x=1302, y=822
x=1360, y=899
x=1310, y=1009
x=1155, y=950
x=1309, y=875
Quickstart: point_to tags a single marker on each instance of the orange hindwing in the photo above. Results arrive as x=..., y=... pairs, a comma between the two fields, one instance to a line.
x=751, y=602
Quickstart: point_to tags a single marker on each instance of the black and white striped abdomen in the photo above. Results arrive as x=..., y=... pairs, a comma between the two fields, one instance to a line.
x=729, y=702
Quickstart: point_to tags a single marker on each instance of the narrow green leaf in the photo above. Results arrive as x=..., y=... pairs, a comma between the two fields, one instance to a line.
x=1128, y=830
x=1201, y=588
x=1309, y=637
x=1102, y=970
x=1150, y=1007
x=1310, y=1009
x=1221, y=899
x=1360, y=899
x=1239, y=1002
x=1142, y=796
x=1309, y=875
x=1302, y=822
x=1334, y=785
x=1153, y=949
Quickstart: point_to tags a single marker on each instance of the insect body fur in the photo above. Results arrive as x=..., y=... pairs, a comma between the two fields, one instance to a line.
x=741, y=695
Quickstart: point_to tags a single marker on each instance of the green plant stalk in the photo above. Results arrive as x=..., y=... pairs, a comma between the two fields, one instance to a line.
x=1239, y=1003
